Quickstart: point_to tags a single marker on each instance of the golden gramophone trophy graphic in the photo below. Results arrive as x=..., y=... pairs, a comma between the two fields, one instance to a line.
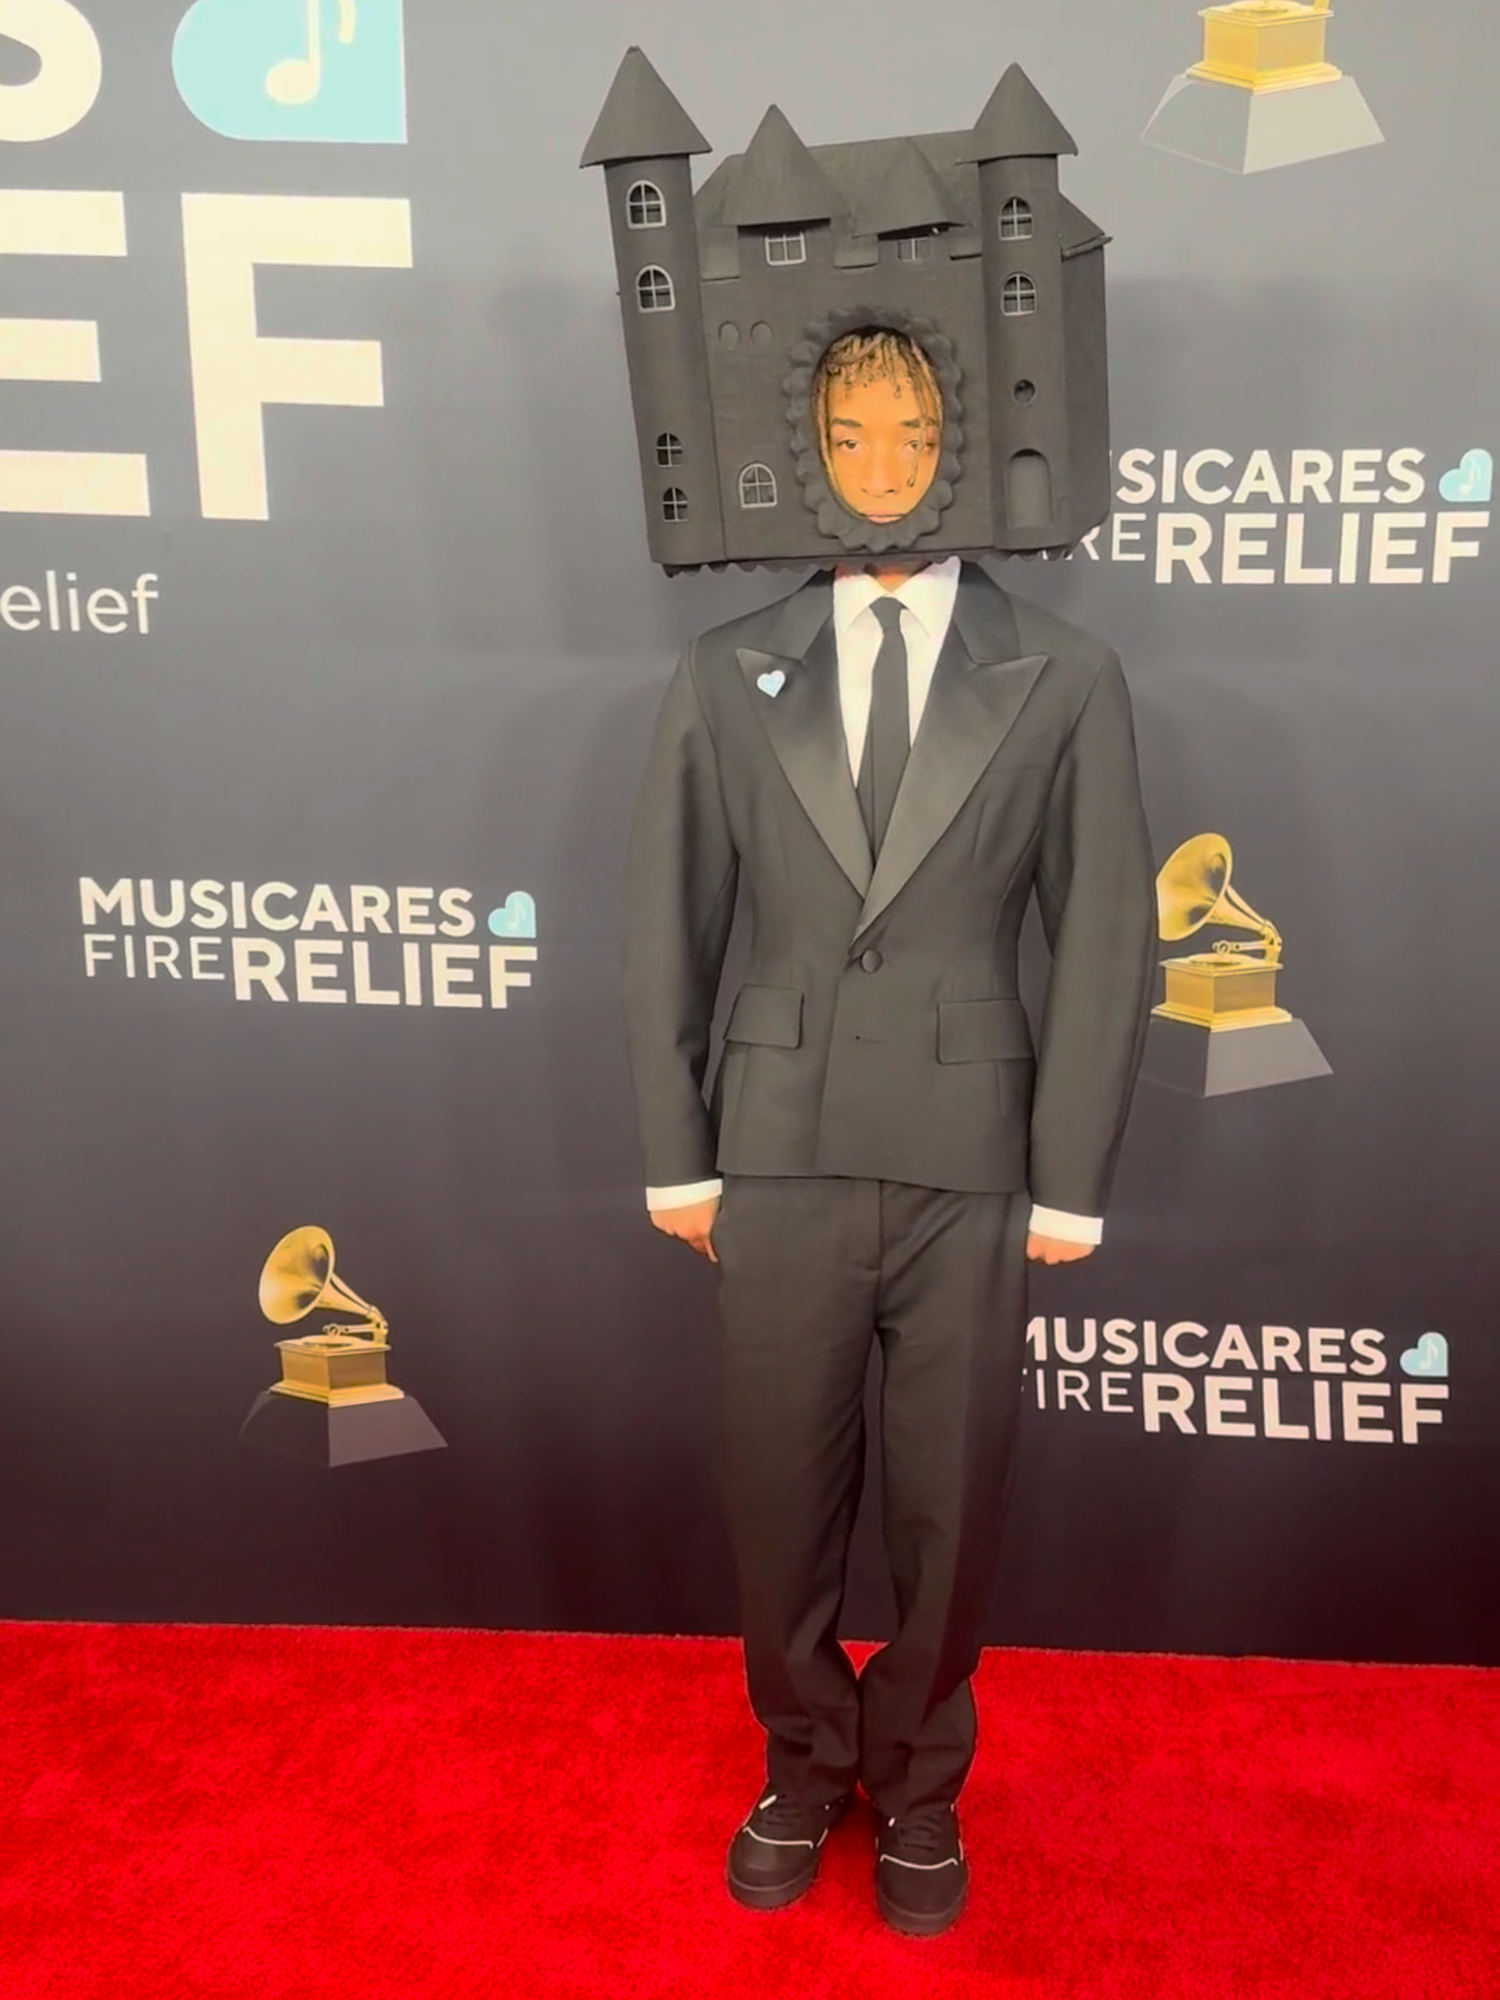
x=333, y=1404
x=1219, y=1028
x=1265, y=94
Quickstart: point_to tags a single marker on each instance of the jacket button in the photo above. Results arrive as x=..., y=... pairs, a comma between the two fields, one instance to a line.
x=871, y=961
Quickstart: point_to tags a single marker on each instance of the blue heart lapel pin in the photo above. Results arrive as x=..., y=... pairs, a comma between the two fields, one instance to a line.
x=772, y=683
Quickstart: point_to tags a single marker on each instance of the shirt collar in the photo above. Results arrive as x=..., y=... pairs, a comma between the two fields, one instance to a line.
x=929, y=596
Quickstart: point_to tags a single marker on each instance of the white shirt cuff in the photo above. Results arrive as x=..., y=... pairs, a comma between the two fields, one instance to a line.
x=684, y=1196
x=1067, y=1228
x=1045, y=1221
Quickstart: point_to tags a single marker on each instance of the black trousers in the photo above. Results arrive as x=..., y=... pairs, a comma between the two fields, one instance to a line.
x=813, y=1272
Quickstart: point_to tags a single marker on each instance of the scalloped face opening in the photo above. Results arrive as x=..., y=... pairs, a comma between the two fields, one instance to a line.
x=895, y=348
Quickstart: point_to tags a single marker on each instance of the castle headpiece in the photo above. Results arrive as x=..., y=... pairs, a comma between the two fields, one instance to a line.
x=739, y=302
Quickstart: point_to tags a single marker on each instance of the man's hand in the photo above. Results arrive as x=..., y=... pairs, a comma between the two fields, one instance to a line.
x=1055, y=1249
x=692, y=1224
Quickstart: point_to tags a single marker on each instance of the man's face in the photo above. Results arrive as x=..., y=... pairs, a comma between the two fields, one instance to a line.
x=882, y=450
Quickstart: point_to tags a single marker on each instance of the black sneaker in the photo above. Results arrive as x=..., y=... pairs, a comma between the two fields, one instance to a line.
x=921, y=1877
x=773, y=1859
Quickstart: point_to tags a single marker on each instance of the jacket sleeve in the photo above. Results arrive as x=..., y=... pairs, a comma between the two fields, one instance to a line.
x=680, y=881
x=1096, y=889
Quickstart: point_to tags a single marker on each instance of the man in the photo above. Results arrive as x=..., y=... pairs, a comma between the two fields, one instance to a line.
x=884, y=767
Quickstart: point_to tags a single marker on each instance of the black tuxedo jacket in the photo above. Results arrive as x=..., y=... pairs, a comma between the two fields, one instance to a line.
x=878, y=1033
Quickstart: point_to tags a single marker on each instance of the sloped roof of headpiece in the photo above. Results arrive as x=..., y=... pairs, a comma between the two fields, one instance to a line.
x=860, y=170
x=779, y=180
x=909, y=195
x=1079, y=232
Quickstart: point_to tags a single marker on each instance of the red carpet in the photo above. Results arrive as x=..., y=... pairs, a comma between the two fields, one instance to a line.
x=205, y=1814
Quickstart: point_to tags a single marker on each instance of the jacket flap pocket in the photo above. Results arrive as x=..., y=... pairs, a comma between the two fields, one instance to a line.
x=982, y=1030
x=768, y=1016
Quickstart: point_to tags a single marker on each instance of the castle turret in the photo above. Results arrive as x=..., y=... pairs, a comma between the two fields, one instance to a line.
x=1016, y=144
x=644, y=141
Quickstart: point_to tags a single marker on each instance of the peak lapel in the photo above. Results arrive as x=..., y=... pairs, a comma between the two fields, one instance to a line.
x=971, y=707
x=805, y=726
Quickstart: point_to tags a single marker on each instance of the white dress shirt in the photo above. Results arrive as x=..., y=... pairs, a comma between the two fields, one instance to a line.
x=927, y=600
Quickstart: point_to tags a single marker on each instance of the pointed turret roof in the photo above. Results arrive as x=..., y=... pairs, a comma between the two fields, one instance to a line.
x=908, y=196
x=1017, y=123
x=641, y=120
x=779, y=180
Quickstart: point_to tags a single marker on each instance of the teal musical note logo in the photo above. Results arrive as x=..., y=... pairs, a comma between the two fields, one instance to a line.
x=1472, y=480
x=1428, y=1358
x=516, y=916
x=329, y=70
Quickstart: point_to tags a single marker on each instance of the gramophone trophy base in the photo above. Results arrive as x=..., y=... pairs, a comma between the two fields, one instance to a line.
x=1251, y=131
x=1216, y=1062
x=332, y=1434
x=1222, y=990
x=335, y=1368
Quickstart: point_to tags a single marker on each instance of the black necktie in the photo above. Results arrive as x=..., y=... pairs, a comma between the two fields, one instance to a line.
x=888, y=738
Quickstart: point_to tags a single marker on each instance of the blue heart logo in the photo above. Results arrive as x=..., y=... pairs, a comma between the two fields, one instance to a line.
x=1428, y=1358
x=772, y=683
x=516, y=916
x=1471, y=480
x=295, y=69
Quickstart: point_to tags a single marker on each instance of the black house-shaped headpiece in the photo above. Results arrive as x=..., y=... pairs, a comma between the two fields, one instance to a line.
x=729, y=296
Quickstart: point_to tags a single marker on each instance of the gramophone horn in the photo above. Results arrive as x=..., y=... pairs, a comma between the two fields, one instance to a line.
x=1193, y=890
x=298, y=1279
x=1191, y=884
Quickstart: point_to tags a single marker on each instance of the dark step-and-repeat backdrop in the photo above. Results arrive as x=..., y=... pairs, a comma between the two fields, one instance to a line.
x=329, y=646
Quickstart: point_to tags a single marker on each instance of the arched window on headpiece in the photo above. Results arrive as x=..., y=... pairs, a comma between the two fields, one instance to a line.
x=653, y=290
x=757, y=486
x=646, y=206
x=1018, y=296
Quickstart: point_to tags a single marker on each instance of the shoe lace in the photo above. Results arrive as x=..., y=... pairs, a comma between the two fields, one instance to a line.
x=922, y=1836
x=778, y=1815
